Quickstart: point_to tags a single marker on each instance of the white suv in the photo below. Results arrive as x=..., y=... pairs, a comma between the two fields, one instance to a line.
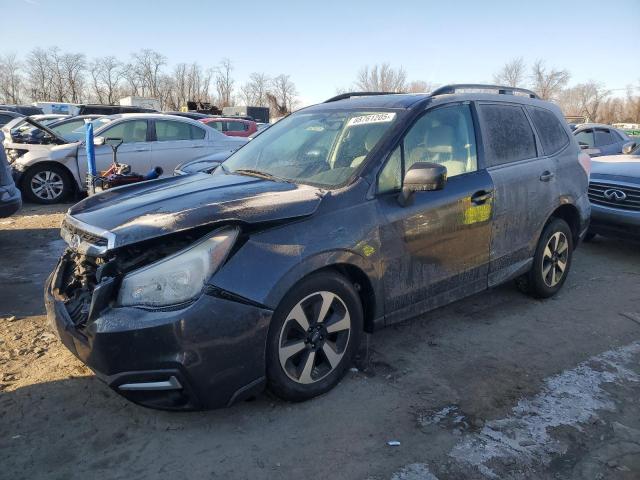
x=50, y=173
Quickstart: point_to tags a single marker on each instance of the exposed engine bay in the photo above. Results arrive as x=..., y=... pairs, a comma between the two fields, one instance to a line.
x=79, y=276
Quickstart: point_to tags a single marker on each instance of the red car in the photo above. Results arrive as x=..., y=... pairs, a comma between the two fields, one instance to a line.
x=234, y=127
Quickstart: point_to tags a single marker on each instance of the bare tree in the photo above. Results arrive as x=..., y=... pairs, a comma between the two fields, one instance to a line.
x=512, y=73
x=106, y=74
x=254, y=92
x=585, y=99
x=74, y=66
x=282, y=95
x=190, y=83
x=10, y=79
x=133, y=81
x=38, y=73
x=419, y=86
x=613, y=110
x=224, y=83
x=381, y=78
x=548, y=83
x=632, y=104
x=57, y=75
x=591, y=95
x=147, y=65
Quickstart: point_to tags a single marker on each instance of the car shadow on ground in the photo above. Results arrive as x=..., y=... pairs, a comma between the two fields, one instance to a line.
x=27, y=257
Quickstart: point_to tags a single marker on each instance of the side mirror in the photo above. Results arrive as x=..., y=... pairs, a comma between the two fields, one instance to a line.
x=628, y=148
x=422, y=177
x=97, y=141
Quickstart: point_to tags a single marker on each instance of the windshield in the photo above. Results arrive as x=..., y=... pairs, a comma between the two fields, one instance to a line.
x=320, y=148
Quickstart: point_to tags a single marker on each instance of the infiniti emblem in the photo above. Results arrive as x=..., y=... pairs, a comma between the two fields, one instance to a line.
x=615, y=195
x=75, y=241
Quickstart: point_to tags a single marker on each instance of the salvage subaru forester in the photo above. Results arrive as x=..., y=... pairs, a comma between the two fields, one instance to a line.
x=198, y=291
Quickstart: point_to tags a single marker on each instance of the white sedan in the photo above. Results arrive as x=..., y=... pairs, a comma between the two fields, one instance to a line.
x=50, y=173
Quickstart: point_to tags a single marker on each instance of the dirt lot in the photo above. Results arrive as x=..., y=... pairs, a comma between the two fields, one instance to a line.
x=495, y=386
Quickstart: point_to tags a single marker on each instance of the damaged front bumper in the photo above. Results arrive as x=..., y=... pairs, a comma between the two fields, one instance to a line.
x=208, y=354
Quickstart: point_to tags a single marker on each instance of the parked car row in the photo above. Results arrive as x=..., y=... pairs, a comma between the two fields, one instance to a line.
x=49, y=172
x=601, y=139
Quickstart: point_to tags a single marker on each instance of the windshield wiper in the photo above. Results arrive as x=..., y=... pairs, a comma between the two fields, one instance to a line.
x=260, y=174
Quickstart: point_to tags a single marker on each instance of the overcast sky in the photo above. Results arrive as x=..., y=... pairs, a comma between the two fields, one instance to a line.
x=323, y=43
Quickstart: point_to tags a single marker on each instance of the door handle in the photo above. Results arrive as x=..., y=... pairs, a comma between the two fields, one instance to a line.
x=481, y=197
x=546, y=176
x=197, y=146
x=142, y=149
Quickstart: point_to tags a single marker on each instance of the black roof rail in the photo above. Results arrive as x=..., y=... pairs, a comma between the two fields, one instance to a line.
x=343, y=96
x=502, y=89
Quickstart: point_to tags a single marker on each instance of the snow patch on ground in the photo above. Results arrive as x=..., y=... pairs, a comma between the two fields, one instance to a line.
x=414, y=471
x=569, y=398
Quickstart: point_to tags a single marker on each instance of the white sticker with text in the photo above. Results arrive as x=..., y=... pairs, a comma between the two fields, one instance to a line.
x=373, y=118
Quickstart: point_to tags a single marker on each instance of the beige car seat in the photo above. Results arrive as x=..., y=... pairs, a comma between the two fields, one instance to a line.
x=370, y=141
x=438, y=147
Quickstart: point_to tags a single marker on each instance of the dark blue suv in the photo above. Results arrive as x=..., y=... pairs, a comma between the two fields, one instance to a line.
x=199, y=290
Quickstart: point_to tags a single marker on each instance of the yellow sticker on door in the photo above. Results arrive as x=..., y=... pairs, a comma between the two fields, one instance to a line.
x=472, y=213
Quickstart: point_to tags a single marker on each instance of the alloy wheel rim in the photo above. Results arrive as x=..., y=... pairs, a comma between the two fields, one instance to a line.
x=47, y=185
x=554, y=259
x=314, y=337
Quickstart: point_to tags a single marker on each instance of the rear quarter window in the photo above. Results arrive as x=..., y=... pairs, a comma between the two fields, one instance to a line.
x=550, y=131
x=507, y=134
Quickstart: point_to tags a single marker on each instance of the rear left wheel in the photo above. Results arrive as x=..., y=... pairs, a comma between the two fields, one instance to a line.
x=315, y=333
x=551, y=261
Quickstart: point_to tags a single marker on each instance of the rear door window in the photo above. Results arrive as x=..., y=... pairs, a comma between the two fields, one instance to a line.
x=507, y=134
x=551, y=132
x=236, y=127
x=168, y=131
x=603, y=137
x=129, y=131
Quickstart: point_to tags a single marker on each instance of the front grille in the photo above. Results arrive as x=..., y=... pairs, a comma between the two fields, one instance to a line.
x=631, y=202
x=85, y=236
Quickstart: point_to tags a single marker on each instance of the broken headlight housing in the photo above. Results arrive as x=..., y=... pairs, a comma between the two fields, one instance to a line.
x=180, y=277
x=14, y=154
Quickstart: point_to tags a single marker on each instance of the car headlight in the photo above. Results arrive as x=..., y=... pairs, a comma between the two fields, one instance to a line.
x=179, y=277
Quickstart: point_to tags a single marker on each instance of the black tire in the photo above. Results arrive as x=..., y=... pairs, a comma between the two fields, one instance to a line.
x=60, y=189
x=284, y=331
x=589, y=236
x=540, y=282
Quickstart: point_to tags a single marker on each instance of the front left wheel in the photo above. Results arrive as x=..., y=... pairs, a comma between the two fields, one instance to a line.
x=314, y=335
x=46, y=184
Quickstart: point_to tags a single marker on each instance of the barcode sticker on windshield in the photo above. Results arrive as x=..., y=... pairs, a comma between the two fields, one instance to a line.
x=374, y=118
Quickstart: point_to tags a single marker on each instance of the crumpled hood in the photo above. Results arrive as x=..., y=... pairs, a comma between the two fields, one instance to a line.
x=616, y=165
x=150, y=209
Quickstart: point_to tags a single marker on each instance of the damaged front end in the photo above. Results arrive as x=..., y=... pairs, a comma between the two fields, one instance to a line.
x=142, y=318
x=90, y=274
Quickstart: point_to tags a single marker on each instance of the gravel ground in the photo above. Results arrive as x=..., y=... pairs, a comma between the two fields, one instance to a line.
x=495, y=386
